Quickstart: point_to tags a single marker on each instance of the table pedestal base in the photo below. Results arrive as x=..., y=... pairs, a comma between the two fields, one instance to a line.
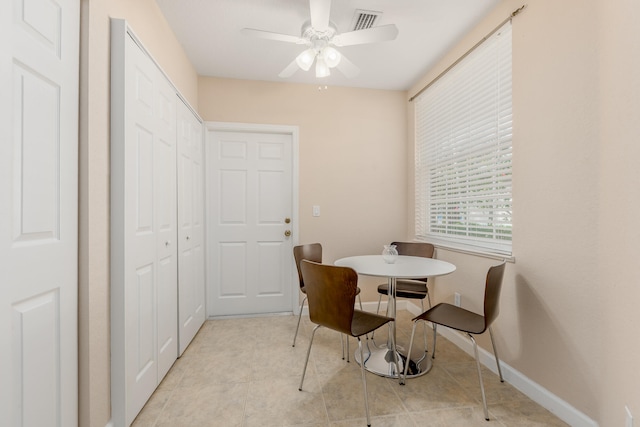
x=380, y=361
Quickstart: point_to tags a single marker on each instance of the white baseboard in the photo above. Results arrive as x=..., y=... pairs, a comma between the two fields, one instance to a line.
x=531, y=389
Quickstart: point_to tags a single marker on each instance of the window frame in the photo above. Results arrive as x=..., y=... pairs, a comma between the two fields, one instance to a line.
x=463, y=152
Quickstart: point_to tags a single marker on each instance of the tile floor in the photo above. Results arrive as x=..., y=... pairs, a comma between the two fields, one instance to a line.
x=244, y=372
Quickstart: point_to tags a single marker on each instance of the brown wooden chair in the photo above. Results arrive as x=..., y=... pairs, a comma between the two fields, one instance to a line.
x=469, y=322
x=416, y=289
x=311, y=252
x=331, y=292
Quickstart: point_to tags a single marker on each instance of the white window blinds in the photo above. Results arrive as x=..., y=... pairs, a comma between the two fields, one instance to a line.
x=463, y=152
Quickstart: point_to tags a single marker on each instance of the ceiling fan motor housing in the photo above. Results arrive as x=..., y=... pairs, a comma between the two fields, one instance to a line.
x=311, y=34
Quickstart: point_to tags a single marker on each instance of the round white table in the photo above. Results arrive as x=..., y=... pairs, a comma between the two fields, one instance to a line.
x=381, y=360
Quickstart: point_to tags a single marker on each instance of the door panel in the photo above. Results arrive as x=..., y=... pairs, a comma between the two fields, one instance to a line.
x=249, y=196
x=191, y=280
x=145, y=325
x=165, y=207
x=141, y=287
x=269, y=269
x=35, y=334
x=232, y=194
x=38, y=212
x=36, y=205
x=232, y=270
x=144, y=337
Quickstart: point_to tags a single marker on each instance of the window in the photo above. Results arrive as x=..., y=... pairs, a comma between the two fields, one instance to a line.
x=463, y=152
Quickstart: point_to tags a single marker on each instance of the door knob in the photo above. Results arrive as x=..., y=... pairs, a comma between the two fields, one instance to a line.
x=287, y=233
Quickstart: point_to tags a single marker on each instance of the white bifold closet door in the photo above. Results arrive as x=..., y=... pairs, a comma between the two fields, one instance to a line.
x=191, y=279
x=144, y=251
x=157, y=232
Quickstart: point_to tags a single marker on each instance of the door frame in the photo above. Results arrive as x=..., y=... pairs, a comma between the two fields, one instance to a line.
x=294, y=132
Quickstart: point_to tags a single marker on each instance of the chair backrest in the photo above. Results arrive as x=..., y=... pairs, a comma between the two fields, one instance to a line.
x=331, y=294
x=492, y=293
x=415, y=249
x=311, y=251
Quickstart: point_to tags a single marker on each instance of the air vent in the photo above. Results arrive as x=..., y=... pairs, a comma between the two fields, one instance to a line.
x=364, y=19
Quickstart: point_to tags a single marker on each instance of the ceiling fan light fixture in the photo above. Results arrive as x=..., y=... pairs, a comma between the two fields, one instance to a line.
x=305, y=59
x=331, y=56
x=322, y=70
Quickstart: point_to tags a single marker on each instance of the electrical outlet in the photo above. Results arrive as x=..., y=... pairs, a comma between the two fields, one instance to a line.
x=629, y=422
x=456, y=299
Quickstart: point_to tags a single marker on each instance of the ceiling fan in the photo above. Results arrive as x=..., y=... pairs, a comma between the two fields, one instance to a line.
x=321, y=37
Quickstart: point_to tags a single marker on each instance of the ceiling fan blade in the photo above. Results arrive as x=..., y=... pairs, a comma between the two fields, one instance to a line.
x=273, y=36
x=290, y=70
x=348, y=68
x=370, y=35
x=320, y=12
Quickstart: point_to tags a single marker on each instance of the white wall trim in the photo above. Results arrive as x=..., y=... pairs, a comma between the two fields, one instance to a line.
x=531, y=389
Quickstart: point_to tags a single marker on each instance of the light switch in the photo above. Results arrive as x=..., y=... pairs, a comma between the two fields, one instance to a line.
x=316, y=210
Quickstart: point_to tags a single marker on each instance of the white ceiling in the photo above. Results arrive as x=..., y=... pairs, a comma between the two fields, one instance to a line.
x=209, y=31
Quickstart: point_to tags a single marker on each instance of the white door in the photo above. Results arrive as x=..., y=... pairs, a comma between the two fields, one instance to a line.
x=163, y=193
x=38, y=212
x=144, y=272
x=150, y=298
x=191, y=285
x=250, y=221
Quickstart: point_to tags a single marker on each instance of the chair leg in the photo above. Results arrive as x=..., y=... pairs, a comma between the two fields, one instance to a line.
x=364, y=382
x=424, y=352
x=406, y=365
x=299, y=317
x=435, y=334
x=377, y=312
x=347, y=336
x=306, y=362
x=348, y=350
x=495, y=353
x=484, y=398
x=361, y=309
x=344, y=337
x=425, y=325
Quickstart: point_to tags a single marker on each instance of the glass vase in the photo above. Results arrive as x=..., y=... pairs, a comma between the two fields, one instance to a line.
x=390, y=254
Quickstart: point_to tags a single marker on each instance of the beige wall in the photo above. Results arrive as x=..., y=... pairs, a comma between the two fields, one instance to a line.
x=569, y=301
x=352, y=155
x=618, y=152
x=148, y=23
